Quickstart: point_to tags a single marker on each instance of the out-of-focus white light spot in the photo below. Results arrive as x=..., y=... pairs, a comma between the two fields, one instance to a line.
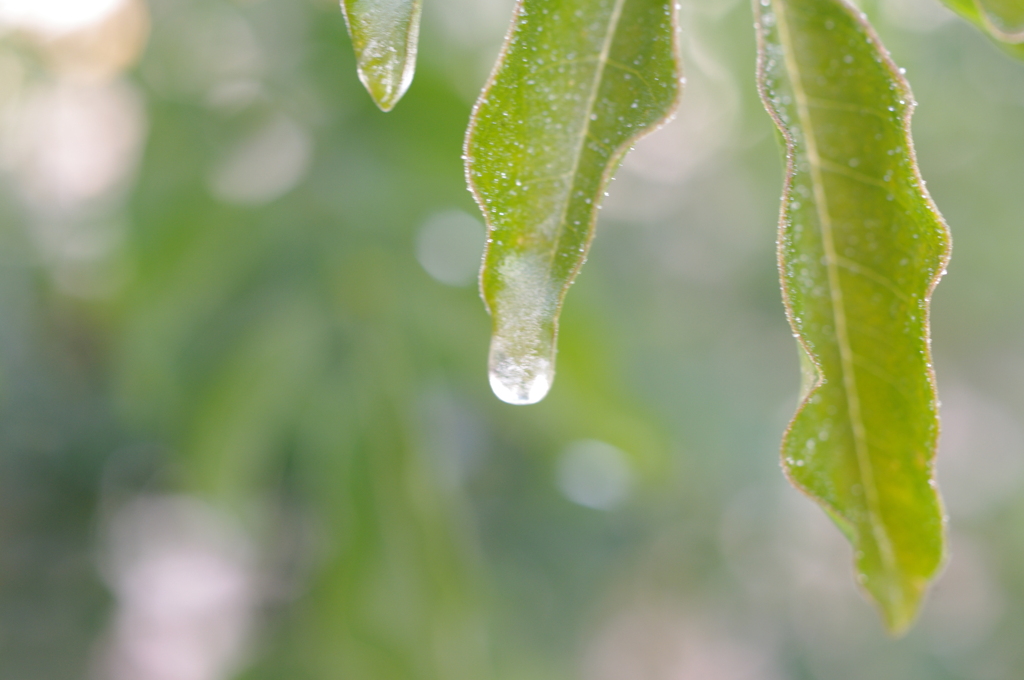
x=185, y=591
x=265, y=166
x=595, y=474
x=449, y=245
x=69, y=143
x=55, y=17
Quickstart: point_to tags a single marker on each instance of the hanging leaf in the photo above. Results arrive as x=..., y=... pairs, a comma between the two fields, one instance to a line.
x=1003, y=20
x=578, y=82
x=384, y=34
x=861, y=246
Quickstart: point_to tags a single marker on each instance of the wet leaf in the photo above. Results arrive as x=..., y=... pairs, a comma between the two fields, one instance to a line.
x=577, y=83
x=861, y=246
x=1003, y=20
x=384, y=34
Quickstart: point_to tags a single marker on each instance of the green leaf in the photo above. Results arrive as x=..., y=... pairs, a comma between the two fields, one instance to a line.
x=861, y=246
x=577, y=83
x=1003, y=20
x=384, y=34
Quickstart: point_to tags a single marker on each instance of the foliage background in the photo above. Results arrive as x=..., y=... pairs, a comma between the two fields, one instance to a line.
x=245, y=427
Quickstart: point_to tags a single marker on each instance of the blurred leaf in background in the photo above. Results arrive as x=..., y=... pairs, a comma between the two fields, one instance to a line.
x=245, y=426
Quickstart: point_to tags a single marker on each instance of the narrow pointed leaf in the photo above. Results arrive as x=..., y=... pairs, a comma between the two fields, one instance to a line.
x=577, y=83
x=384, y=34
x=861, y=246
x=1003, y=20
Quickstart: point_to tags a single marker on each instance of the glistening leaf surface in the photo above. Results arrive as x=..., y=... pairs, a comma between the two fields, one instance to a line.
x=577, y=83
x=861, y=246
x=384, y=34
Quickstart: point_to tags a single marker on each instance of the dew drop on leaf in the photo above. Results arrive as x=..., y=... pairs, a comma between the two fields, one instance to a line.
x=519, y=380
x=522, y=356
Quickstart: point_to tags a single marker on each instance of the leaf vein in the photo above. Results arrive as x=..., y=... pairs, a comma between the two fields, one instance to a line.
x=629, y=69
x=863, y=458
x=863, y=178
x=869, y=273
x=883, y=375
x=595, y=87
x=835, y=105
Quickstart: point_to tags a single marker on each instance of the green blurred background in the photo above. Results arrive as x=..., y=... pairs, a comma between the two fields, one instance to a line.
x=245, y=426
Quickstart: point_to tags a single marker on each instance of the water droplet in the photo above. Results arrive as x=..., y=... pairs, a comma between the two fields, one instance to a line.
x=522, y=357
x=519, y=380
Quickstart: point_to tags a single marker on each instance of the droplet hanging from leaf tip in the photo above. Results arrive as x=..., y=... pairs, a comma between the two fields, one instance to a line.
x=519, y=379
x=384, y=34
x=544, y=137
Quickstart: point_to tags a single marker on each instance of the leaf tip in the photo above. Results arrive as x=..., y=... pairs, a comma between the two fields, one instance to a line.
x=385, y=92
x=899, y=615
x=897, y=596
x=384, y=36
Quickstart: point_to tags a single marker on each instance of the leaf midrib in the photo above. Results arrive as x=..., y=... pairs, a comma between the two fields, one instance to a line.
x=864, y=466
x=595, y=87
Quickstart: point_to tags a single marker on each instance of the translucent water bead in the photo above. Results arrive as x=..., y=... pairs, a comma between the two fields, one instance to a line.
x=522, y=379
x=525, y=308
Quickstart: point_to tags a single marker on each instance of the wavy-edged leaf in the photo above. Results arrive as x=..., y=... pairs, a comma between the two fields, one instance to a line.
x=577, y=83
x=861, y=246
x=384, y=34
x=1003, y=20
